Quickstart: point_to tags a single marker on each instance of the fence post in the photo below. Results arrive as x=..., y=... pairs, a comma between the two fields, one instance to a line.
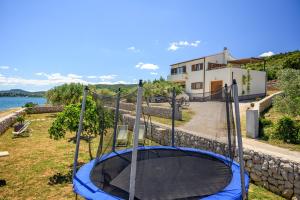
x=173, y=115
x=116, y=120
x=135, y=141
x=228, y=121
x=79, y=131
x=239, y=136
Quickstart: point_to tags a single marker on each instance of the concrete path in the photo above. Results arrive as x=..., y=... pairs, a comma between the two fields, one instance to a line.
x=209, y=121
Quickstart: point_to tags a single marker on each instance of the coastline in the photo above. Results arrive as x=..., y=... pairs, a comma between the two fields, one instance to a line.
x=5, y=112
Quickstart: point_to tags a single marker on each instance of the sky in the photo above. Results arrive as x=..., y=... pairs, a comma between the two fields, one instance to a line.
x=51, y=42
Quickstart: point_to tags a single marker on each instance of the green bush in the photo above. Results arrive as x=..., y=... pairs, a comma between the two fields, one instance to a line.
x=264, y=123
x=30, y=105
x=287, y=129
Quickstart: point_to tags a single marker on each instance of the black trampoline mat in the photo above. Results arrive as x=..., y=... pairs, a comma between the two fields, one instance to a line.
x=163, y=174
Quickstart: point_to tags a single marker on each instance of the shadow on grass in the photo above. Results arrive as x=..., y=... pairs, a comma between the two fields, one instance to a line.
x=62, y=178
x=2, y=182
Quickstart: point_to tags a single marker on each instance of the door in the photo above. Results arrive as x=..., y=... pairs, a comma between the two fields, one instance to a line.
x=216, y=89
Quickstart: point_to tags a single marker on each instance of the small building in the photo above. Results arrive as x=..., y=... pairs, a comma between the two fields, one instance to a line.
x=204, y=76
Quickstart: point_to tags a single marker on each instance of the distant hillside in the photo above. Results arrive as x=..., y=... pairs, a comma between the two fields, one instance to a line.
x=277, y=62
x=115, y=87
x=20, y=93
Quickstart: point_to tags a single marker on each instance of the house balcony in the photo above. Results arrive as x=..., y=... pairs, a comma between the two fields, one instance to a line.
x=178, y=77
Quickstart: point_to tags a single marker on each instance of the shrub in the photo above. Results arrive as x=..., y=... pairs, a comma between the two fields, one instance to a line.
x=287, y=129
x=20, y=119
x=264, y=123
x=30, y=105
x=289, y=83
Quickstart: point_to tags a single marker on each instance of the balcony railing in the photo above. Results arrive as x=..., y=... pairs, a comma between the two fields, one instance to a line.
x=177, y=77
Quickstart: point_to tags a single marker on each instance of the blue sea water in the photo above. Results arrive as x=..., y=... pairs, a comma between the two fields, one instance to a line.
x=12, y=102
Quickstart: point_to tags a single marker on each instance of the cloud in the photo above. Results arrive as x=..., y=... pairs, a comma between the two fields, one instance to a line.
x=266, y=54
x=92, y=77
x=153, y=73
x=4, y=67
x=174, y=46
x=133, y=49
x=16, y=69
x=54, y=79
x=107, y=77
x=147, y=66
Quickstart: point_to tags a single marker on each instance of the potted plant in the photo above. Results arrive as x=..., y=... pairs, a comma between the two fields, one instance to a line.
x=20, y=123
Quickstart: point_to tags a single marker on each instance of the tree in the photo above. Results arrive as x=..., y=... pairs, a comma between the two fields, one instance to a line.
x=93, y=124
x=289, y=83
x=65, y=94
x=293, y=63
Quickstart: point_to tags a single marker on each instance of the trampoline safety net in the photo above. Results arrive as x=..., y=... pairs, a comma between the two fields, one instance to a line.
x=191, y=166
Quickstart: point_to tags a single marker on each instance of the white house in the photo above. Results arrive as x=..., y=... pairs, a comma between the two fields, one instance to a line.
x=206, y=75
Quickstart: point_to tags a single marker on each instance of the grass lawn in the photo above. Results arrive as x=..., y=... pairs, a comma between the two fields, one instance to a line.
x=186, y=116
x=274, y=116
x=260, y=193
x=39, y=167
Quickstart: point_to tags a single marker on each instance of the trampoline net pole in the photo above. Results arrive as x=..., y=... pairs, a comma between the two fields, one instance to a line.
x=79, y=131
x=116, y=119
x=173, y=116
x=239, y=136
x=135, y=142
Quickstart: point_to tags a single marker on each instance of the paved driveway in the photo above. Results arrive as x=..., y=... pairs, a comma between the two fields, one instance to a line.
x=209, y=119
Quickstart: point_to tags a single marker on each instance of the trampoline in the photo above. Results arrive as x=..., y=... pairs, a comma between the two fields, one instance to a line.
x=162, y=173
x=170, y=172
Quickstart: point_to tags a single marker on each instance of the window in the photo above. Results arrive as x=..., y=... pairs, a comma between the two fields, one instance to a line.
x=179, y=70
x=197, y=85
x=197, y=67
x=212, y=66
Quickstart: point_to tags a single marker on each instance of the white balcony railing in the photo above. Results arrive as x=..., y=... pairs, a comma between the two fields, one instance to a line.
x=177, y=77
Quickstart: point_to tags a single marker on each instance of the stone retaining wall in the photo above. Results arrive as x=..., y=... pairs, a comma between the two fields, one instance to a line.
x=10, y=119
x=276, y=174
x=45, y=109
x=154, y=110
x=265, y=103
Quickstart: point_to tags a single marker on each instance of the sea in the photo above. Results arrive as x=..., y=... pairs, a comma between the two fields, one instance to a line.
x=12, y=102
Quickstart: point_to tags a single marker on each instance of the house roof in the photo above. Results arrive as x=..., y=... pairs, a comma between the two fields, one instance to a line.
x=196, y=59
x=243, y=61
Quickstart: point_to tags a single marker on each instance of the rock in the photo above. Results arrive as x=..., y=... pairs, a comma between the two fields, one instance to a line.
x=265, y=165
x=256, y=159
x=287, y=167
x=291, y=177
x=281, y=188
x=277, y=176
x=255, y=177
x=284, y=175
x=265, y=173
x=274, y=189
x=257, y=167
x=247, y=157
x=249, y=163
x=297, y=184
x=288, y=185
x=280, y=182
x=287, y=193
x=273, y=181
x=266, y=184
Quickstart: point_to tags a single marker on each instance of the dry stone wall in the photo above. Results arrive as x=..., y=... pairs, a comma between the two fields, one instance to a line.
x=154, y=110
x=9, y=120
